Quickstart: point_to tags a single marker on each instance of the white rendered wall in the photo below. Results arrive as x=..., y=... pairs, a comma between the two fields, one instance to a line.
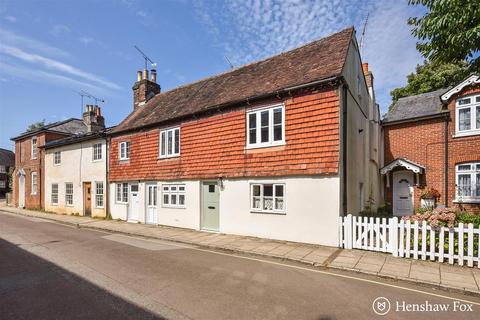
x=77, y=166
x=312, y=211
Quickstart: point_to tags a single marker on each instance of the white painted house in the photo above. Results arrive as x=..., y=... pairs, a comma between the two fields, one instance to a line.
x=76, y=170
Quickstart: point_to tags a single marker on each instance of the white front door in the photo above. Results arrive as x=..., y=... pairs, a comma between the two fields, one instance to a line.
x=21, y=191
x=402, y=193
x=151, y=196
x=133, y=203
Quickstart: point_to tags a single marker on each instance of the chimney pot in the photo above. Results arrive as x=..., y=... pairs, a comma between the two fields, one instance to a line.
x=365, y=67
x=145, y=74
x=139, y=75
x=154, y=75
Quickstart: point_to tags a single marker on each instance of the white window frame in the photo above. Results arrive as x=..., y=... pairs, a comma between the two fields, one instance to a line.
x=124, y=150
x=472, y=106
x=163, y=143
x=97, y=152
x=57, y=160
x=274, y=197
x=177, y=192
x=3, y=184
x=34, y=183
x=68, y=195
x=99, y=195
x=120, y=196
x=3, y=169
x=34, y=149
x=53, y=193
x=270, y=142
x=472, y=172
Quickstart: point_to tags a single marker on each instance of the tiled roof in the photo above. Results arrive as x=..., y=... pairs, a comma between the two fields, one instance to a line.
x=7, y=158
x=77, y=138
x=319, y=60
x=421, y=105
x=69, y=126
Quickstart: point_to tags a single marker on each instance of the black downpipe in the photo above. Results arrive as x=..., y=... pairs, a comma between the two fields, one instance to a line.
x=344, y=124
x=446, y=161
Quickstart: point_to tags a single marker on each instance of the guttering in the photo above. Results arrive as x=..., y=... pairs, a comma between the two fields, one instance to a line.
x=234, y=103
x=419, y=118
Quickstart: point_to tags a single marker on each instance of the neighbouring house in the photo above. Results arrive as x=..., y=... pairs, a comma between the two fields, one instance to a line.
x=76, y=169
x=7, y=163
x=432, y=140
x=28, y=180
x=278, y=148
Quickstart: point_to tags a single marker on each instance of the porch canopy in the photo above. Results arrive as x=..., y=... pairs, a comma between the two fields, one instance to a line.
x=404, y=163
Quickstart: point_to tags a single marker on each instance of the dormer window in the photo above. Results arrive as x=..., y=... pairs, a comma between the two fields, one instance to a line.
x=467, y=115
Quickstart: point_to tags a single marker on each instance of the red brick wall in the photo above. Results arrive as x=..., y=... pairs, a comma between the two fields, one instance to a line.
x=423, y=142
x=30, y=165
x=215, y=146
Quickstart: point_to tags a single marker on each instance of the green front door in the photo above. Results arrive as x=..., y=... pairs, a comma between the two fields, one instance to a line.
x=210, y=206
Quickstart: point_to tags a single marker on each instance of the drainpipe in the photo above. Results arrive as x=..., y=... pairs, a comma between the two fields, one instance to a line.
x=107, y=179
x=344, y=124
x=446, y=161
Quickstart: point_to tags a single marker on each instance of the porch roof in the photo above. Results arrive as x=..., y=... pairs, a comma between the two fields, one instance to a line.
x=403, y=162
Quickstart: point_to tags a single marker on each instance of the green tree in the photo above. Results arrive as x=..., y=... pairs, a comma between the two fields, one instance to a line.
x=36, y=125
x=449, y=31
x=431, y=76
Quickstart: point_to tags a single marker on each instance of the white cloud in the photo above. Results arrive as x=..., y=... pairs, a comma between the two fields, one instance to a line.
x=247, y=31
x=10, y=38
x=60, y=29
x=56, y=65
x=141, y=13
x=86, y=40
x=11, y=19
x=17, y=71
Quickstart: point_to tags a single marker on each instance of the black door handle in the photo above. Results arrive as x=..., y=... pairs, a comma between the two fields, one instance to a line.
x=211, y=207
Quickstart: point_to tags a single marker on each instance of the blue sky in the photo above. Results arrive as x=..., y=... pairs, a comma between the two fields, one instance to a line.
x=50, y=48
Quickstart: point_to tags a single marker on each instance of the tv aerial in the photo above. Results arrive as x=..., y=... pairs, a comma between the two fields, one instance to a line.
x=147, y=59
x=83, y=94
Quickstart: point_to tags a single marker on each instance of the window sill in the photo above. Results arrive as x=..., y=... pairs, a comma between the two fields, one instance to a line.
x=169, y=158
x=124, y=203
x=467, y=201
x=172, y=207
x=269, y=212
x=466, y=134
x=98, y=160
x=124, y=161
x=269, y=148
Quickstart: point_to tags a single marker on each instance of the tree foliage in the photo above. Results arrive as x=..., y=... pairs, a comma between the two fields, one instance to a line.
x=431, y=76
x=36, y=125
x=449, y=31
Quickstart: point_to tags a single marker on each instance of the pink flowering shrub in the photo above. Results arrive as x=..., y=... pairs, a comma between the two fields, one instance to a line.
x=435, y=218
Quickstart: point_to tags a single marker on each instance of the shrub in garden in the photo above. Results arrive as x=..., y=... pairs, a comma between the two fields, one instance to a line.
x=435, y=218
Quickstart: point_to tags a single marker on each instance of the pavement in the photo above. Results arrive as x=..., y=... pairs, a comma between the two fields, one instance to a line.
x=50, y=270
x=427, y=273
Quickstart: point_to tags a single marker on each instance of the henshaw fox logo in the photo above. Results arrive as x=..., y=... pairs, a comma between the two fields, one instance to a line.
x=381, y=306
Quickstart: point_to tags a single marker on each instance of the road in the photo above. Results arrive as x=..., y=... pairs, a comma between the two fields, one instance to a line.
x=54, y=271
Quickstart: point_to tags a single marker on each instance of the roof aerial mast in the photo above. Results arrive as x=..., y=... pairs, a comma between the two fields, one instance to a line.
x=83, y=93
x=362, y=38
x=147, y=59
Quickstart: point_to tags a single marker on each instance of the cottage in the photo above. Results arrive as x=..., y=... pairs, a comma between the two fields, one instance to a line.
x=432, y=140
x=279, y=148
x=7, y=163
x=29, y=160
x=76, y=170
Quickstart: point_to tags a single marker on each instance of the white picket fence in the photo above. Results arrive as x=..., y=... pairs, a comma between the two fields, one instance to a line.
x=411, y=240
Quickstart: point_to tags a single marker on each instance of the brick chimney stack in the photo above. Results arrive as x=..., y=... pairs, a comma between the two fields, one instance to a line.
x=368, y=76
x=144, y=89
x=93, y=118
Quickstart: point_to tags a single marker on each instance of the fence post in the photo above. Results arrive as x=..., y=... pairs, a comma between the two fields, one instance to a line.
x=460, y=244
x=394, y=236
x=340, y=232
x=470, y=245
x=348, y=230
